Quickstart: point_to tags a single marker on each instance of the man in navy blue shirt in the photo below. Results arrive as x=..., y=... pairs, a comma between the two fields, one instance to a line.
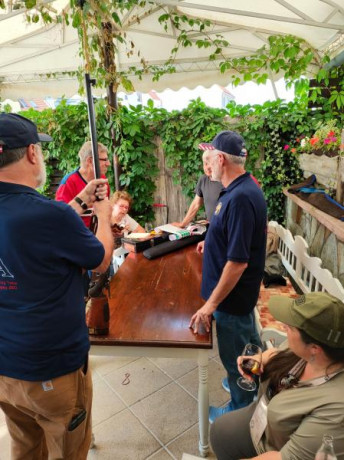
x=233, y=263
x=45, y=384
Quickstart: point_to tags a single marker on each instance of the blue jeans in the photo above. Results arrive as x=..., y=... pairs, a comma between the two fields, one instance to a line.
x=233, y=333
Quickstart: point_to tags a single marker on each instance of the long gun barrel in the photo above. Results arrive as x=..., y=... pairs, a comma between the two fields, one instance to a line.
x=92, y=123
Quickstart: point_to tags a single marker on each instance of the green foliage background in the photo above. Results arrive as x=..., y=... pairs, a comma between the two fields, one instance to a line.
x=266, y=129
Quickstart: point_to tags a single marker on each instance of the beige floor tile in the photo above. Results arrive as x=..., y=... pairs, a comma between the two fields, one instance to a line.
x=188, y=443
x=145, y=379
x=160, y=455
x=217, y=395
x=175, y=367
x=168, y=412
x=105, y=402
x=122, y=437
x=106, y=364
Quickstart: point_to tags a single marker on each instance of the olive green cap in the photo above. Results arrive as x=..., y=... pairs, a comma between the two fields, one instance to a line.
x=319, y=314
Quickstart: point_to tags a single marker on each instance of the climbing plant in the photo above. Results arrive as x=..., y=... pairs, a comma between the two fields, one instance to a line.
x=270, y=131
x=181, y=132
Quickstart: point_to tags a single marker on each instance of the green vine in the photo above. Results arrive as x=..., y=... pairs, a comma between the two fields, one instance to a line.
x=181, y=132
x=270, y=131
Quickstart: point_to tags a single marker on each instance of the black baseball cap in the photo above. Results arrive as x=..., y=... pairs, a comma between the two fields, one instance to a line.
x=228, y=142
x=17, y=131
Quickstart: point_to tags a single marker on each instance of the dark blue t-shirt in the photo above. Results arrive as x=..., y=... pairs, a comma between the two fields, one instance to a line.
x=43, y=247
x=237, y=232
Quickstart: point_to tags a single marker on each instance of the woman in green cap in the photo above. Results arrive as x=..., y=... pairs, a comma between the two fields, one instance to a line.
x=301, y=396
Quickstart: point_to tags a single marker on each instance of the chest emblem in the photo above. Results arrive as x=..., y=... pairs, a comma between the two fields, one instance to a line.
x=218, y=208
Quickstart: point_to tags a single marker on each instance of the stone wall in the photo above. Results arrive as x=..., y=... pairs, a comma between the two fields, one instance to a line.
x=323, y=243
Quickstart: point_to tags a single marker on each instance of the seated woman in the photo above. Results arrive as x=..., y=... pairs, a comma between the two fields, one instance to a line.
x=121, y=225
x=121, y=221
x=301, y=395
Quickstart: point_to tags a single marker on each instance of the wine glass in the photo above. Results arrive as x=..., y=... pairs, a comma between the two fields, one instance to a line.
x=250, y=366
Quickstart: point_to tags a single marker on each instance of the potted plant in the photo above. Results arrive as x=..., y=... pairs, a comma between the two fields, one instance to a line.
x=325, y=141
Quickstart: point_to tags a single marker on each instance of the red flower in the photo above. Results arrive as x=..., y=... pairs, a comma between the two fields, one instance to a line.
x=313, y=140
x=330, y=133
x=293, y=150
x=286, y=147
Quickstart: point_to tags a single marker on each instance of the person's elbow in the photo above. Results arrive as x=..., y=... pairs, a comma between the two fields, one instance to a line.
x=105, y=263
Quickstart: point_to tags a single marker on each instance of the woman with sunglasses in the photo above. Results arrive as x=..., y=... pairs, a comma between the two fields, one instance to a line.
x=301, y=395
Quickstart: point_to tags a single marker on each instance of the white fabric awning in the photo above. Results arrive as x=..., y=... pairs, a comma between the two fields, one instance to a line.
x=31, y=52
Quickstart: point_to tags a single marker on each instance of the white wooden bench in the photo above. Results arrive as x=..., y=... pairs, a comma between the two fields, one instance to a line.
x=307, y=273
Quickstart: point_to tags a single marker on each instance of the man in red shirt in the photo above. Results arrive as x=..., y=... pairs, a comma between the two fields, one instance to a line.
x=74, y=182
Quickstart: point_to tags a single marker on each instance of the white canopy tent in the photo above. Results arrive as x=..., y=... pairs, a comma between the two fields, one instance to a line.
x=31, y=52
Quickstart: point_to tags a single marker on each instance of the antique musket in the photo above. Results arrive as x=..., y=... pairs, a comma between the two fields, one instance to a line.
x=97, y=311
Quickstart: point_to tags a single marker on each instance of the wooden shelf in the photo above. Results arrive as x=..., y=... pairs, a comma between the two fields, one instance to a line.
x=335, y=225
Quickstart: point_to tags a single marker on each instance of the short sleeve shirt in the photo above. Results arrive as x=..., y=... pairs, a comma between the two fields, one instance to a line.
x=209, y=190
x=72, y=184
x=237, y=233
x=127, y=220
x=300, y=416
x=44, y=247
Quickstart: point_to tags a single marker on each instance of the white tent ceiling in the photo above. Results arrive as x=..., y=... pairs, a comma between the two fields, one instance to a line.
x=30, y=52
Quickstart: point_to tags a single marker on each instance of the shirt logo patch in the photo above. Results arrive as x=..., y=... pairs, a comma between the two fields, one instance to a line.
x=4, y=271
x=218, y=208
x=47, y=385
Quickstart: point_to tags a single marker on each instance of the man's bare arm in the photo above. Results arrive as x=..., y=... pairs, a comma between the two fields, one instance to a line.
x=96, y=188
x=195, y=206
x=103, y=210
x=231, y=274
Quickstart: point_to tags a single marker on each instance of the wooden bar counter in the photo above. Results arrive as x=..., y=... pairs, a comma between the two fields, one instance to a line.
x=151, y=303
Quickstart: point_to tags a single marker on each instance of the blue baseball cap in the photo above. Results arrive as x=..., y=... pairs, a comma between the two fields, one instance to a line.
x=228, y=142
x=17, y=131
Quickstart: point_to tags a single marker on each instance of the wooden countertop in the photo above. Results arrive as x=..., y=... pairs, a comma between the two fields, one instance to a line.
x=151, y=302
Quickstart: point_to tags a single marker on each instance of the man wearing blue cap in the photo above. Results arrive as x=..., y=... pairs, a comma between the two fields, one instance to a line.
x=45, y=383
x=234, y=257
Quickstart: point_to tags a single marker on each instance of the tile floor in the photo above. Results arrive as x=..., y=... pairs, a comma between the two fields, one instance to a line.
x=154, y=417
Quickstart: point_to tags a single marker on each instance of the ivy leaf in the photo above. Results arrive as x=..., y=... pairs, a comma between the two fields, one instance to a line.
x=76, y=20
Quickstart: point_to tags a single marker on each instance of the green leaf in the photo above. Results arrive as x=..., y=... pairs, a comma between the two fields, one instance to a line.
x=76, y=20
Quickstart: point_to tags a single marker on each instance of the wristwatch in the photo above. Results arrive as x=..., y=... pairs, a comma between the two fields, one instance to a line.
x=81, y=203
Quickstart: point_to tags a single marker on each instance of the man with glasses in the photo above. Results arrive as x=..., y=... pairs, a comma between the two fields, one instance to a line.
x=74, y=182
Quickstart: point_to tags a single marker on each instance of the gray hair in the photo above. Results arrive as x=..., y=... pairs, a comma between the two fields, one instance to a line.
x=234, y=159
x=10, y=156
x=86, y=151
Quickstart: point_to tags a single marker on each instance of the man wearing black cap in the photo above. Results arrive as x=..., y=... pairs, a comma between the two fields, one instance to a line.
x=234, y=256
x=45, y=385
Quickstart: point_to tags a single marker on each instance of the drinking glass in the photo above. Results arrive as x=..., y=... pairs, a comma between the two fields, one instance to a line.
x=251, y=363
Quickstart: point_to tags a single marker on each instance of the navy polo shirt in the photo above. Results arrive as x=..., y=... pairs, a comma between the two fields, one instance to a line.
x=43, y=247
x=237, y=232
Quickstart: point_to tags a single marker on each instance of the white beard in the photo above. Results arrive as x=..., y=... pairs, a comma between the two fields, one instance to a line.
x=41, y=177
x=216, y=173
